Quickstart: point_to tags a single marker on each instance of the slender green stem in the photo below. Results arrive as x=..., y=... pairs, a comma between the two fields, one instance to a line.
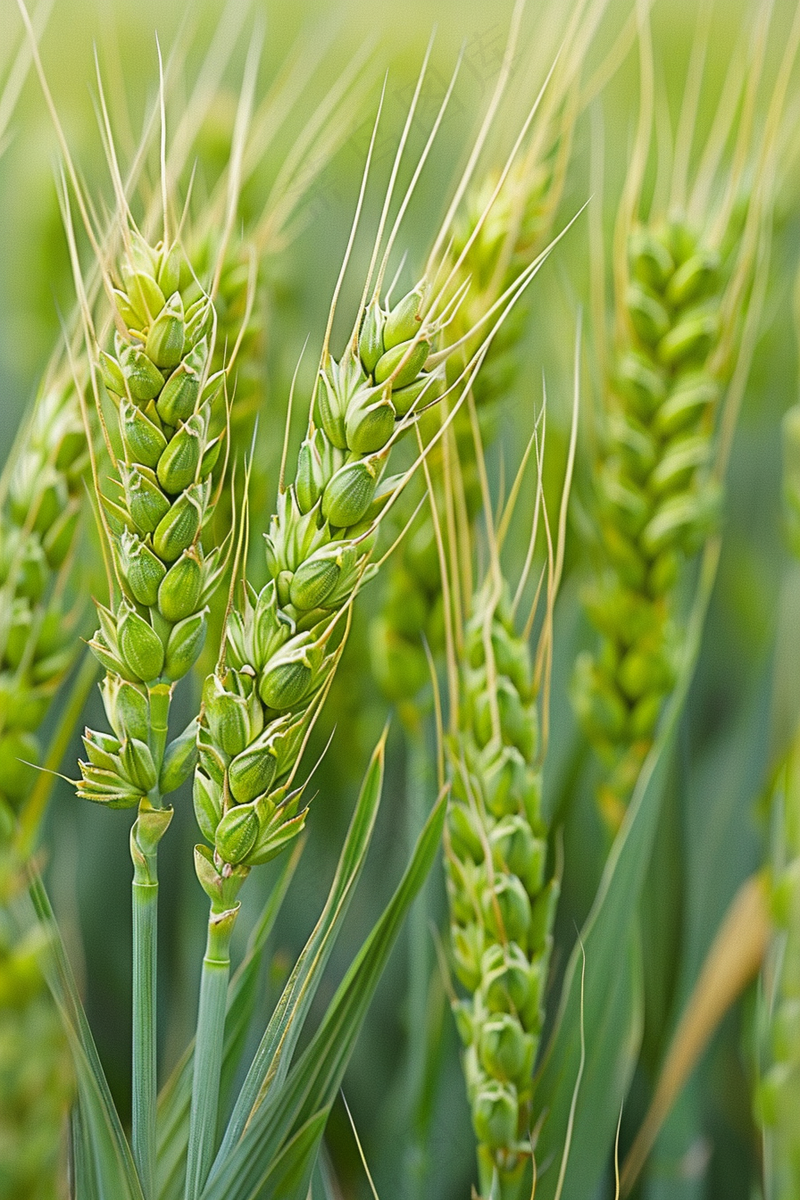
x=150, y=826
x=208, y=1049
x=145, y=947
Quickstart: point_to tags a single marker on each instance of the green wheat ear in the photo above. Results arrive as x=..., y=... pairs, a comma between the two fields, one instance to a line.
x=502, y=901
x=42, y=484
x=658, y=496
x=687, y=299
x=40, y=515
x=501, y=886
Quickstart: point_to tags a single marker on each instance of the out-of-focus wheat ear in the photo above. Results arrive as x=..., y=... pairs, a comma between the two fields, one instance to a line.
x=487, y=208
x=689, y=297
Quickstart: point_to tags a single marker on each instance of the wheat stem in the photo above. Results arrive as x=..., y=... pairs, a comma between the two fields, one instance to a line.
x=418, y=791
x=208, y=1049
x=144, y=1090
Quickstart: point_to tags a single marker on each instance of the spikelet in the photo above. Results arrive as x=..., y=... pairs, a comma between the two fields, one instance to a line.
x=36, y=1081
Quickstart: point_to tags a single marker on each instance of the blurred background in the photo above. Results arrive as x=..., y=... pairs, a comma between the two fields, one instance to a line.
x=712, y=833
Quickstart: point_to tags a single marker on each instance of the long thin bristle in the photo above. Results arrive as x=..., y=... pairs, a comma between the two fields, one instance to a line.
x=389, y=193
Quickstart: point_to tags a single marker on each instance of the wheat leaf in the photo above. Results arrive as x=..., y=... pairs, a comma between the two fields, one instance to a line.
x=612, y=923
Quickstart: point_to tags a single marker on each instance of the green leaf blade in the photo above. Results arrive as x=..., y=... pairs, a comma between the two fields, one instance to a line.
x=612, y=1020
x=273, y=1056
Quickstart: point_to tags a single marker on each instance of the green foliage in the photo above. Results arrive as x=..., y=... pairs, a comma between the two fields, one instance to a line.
x=592, y=1052
x=38, y=533
x=36, y=1080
